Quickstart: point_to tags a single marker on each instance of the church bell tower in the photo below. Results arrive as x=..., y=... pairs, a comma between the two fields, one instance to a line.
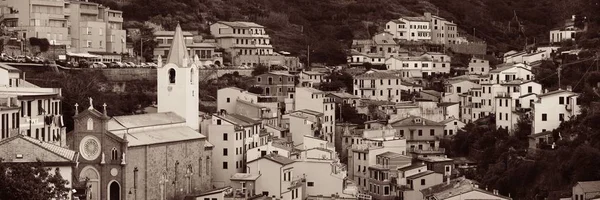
x=178, y=82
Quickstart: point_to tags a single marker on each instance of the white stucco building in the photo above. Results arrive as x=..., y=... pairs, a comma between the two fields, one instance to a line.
x=315, y=101
x=410, y=28
x=378, y=85
x=233, y=135
x=552, y=108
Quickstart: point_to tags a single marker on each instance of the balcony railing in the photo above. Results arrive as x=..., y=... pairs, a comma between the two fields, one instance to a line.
x=366, y=86
x=427, y=151
x=502, y=94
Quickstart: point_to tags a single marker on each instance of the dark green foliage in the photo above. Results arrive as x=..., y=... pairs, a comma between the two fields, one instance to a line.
x=42, y=43
x=505, y=163
x=349, y=114
x=78, y=86
x=260, y=69
x=339, y=81
x=255, y=90
x=31, y=181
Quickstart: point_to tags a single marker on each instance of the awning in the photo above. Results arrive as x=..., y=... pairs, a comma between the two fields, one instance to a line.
x=81, y=55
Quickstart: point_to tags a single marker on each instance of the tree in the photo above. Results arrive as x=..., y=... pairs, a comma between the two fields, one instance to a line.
x=31, y=181
x=260, y=69
x=255, y=90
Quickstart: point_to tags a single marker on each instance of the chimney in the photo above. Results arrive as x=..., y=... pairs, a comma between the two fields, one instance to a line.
x=569, y=88
x=76, y=108
x=573, y=17
x=545, y=90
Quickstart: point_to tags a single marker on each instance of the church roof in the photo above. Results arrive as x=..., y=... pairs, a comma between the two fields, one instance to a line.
x=178, y=51
x=62, y=152
x=163, y=135
x=144, y=120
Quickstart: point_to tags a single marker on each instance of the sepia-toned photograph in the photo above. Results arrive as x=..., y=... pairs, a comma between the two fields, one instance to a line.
x=299, y=100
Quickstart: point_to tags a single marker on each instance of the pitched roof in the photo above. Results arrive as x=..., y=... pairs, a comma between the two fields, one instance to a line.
x=241, y=24
x=589, y=186
x=276, y=158
x=555, y=92
x=312, y=72
x=444, y=190
x=389, y=154
x=239, y=120
x=55, y=149
x=178, y=51
x=419, y=18
x=143, y=120
x=171, y=33
x=163, y=135
x=419, y=175
x=397, y=21
x=311, y=90
x=376, y=75
x=450, y=120
x=310, y=112
x=432, y=93
x=9, y=68
x=411, y=167
x=410, y=121
x=344, y=95
x=540, y=134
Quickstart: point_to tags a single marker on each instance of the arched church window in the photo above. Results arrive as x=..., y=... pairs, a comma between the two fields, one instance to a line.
x=192, y=76
x=114, y=154
x=171, y=75
x=90, y=124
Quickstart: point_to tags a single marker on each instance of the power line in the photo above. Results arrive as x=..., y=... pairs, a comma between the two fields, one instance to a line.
x=588, y=69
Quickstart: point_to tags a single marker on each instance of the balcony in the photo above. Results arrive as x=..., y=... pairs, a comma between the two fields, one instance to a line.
x=10, y=16
x=503, y=95
x=115, y=19
x=427, y=151
x=363, y=87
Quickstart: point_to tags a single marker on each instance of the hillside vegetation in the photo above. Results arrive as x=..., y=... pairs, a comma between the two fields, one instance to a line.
x=329, y=25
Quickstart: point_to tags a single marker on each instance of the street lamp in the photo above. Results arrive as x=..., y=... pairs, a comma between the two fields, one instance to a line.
x=135, y=170
x=142, y=48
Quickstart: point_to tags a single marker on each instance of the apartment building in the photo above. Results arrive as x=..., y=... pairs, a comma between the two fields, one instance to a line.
x=261, y=108
x=552, y=108
x=410, y=28
x=275, y=83
x=442, y=30
x=479, y=65
x=454, y=87
x=94, y=28
x=378, y=85
x=460, y=188
x=232, y=135
x=364, y=150
x=42, y=19
x=29, y=110
x=515, y=102
x=383, y=174
x=316, y=101
x=204, y=49
x=80, y=25
x=311, y=78
x=247, y=42
x=422, y=135
x=566, y=31
x=375, y=50
x=414, y=178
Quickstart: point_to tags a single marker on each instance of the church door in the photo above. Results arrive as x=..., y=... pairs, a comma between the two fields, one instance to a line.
x=114, y=190
x=91, y=175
